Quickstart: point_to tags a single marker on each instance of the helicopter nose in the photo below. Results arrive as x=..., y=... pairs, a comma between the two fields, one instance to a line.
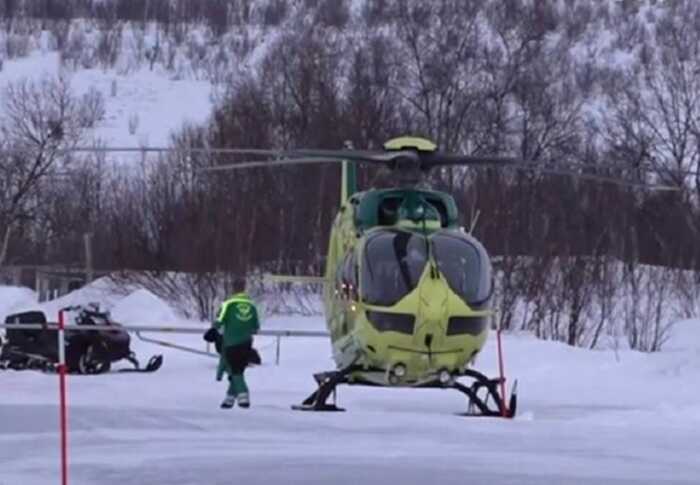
x=432, y=312
x=433, y=309
x=433, y=299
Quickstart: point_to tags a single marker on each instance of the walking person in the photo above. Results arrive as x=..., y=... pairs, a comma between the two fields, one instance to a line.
x=235, y=325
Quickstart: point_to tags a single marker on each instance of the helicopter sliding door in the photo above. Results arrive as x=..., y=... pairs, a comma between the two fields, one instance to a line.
x=393, y=263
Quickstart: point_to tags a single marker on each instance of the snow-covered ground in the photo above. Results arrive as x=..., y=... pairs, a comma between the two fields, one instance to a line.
x=586, y=417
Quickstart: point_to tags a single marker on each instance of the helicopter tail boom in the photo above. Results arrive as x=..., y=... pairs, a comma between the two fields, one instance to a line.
x=309, y=280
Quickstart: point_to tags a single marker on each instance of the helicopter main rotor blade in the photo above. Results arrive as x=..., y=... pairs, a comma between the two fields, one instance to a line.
x=422, y=160
x=387, y=158
x=240, y=151
x=269, y=163
x=351, y=155
x=449, y=159
x=308, y=157
x=641, y=168
x=594, y=177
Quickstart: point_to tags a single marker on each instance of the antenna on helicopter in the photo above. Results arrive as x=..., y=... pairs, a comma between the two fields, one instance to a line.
x=474, y=220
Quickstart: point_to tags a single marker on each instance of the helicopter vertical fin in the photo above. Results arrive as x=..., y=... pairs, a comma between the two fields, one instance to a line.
x=348, y=184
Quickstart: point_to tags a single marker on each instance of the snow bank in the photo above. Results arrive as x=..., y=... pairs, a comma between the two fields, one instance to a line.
x=680, y=358
x=101, y=291
x=685, y=336
x=127, y=305
x=14, y=299
x=144, y=308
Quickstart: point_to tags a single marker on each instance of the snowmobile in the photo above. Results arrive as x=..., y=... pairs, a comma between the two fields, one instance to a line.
x=87, y=352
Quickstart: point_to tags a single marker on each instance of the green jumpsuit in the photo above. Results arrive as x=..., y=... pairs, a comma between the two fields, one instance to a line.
x=237, y=322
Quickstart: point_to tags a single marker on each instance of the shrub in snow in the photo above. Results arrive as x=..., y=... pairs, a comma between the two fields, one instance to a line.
x=92, y=108
x=47, y=41
x=274, y=12
x=75, y=48
x=179, y=65
x=333, y=13
x=133, y=123
x=129, y=50
x=17, y=45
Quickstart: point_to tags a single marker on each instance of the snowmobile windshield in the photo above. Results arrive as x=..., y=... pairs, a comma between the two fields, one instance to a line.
x=393, y=263
x=92, y=318
x=465, y=264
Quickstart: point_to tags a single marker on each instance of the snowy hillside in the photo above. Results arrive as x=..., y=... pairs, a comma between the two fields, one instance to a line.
x=164, y=74
x=585, y=417
x=142, y=108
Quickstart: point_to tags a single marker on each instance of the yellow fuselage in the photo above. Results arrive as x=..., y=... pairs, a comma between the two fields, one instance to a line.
x=445, y=334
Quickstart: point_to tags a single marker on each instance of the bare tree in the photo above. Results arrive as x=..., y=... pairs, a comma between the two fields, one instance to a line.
x=438, y=57
x=40, y=120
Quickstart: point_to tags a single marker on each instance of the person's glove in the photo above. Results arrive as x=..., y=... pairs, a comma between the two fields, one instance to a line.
x=254, y=357
x=211, y=335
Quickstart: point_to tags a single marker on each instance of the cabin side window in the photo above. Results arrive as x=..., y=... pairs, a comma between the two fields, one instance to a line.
x=346, y=278
x=349, y=277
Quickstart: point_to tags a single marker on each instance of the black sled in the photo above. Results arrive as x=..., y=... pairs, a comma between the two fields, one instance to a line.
x=214, y=337
x=87, y=352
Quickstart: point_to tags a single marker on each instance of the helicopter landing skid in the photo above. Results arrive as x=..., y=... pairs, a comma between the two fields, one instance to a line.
x=492, y=403
x=327, y=384
x=480, y=403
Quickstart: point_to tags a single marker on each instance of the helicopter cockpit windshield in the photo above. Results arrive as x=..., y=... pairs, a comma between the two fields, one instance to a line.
x=393, y=264
x=465, y=264
x=394, y=261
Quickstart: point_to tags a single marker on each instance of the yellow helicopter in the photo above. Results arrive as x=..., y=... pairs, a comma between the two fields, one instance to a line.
x=406, y=289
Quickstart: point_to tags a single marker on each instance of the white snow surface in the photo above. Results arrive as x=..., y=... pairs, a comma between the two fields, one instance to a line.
x=585, y=417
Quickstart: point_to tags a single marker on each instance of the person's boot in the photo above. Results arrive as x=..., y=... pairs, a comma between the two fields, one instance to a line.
x=244, y=400
x=228, y=402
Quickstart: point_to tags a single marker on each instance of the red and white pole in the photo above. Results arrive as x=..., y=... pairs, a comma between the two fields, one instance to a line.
x=62, y=385
x=504, y=404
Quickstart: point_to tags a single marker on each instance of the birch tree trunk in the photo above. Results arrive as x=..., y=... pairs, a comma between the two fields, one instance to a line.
x=5, y=244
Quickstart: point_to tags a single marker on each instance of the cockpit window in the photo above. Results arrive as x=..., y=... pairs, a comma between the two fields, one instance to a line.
x=393, y=264
x=465, y=264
